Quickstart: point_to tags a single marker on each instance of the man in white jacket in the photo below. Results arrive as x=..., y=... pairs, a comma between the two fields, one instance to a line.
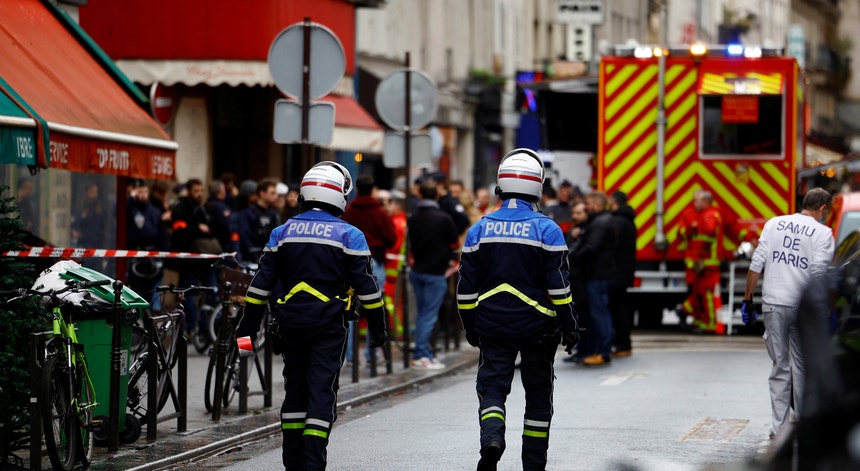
x=792, y=250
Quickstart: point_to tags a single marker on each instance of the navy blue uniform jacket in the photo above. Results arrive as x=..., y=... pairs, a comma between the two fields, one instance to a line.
x=316, y=257
x=514, y=275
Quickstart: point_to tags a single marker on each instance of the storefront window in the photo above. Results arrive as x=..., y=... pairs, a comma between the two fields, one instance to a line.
x=65, y=209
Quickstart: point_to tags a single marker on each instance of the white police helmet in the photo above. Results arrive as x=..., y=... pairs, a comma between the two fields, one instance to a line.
x=521, y=175
x=327, y=183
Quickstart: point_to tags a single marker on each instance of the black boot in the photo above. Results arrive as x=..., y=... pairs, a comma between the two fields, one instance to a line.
x=490, y=456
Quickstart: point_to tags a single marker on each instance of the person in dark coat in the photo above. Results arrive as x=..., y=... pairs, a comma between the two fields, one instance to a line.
x=449, y=203
x=219, y=211
x=574, y=239
x=192, y=232
x=254, y=224
x=144, y=231
x=597, y=254
x=432, y=240
x=625, y=265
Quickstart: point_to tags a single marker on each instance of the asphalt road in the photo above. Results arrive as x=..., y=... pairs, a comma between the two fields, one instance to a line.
x=679, y=403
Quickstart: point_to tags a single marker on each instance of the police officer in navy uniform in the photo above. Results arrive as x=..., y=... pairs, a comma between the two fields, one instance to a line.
x=317, y=258
x=514, y=297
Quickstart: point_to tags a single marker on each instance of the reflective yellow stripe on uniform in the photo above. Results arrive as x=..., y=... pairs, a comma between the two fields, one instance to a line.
x=293, y=420
x=463, y=301
x=320, y=430
x=306, y=288
x=507, y=288
x=369, y=297
x=493, y=412
x=536, y=428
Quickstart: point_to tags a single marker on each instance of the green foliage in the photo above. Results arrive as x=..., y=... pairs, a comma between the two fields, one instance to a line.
x=18, y=321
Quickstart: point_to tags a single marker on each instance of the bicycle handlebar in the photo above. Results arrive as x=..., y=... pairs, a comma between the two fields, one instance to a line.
x=189, y=290
x=71, y=285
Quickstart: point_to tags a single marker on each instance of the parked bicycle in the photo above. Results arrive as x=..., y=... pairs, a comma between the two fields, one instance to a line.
x=67, y=395
x=232, y=364
x=167, y=330
x=229, y=269
x=240, y=279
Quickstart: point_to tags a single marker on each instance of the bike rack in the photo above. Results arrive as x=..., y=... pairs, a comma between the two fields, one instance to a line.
x=266, y=374
x=178, y=395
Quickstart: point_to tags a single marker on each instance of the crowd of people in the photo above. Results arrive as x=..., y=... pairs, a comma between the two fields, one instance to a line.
x=184, y=219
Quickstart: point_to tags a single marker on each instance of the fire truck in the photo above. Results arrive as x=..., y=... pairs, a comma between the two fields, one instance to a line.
x=727, y=119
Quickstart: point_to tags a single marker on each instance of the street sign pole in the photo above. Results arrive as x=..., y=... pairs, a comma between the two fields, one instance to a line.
x=305, y=72
x=408, y=161
x=306, y=91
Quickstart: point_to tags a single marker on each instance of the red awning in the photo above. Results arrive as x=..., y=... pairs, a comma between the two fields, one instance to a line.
x=354, y=129
x=95, y=126
x=347, y=112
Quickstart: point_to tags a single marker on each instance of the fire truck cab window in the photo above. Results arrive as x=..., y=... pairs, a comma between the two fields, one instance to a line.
x=742, y=135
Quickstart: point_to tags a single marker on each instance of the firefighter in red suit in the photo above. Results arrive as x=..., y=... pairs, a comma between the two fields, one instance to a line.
x=701, y=233
x=395, y=257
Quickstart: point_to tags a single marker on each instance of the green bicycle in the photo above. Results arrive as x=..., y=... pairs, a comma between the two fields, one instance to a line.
x=67, y=395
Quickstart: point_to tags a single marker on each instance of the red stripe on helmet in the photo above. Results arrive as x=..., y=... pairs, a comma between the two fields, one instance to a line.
x=521, y=176
x=323, y=184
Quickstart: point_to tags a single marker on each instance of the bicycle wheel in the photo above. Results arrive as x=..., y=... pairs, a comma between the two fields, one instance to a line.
x=231, y=376
x=213, y=324
x=208, y=386
x=85, y=416
x=201, y=337
x=138, y=383
x=231, y=371
x=59, y=419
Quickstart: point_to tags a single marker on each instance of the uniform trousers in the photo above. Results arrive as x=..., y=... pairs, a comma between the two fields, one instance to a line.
x=786, y=380
x=703, y=301
x=495, y=374
x=312, y=362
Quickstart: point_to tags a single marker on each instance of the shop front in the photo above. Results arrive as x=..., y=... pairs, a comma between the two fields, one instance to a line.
x=72, y=130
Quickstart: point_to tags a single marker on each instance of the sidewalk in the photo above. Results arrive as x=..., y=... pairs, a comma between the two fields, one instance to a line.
x=204, y=437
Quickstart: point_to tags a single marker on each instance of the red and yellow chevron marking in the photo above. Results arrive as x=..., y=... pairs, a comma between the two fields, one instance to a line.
x=627, y=156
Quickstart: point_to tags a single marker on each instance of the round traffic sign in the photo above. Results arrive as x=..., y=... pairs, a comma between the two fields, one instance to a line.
x=162, y=103
x=286, y=60
x=391, y=99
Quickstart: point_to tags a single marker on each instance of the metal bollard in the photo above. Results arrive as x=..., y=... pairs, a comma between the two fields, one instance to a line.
x=115, y=364
x=182, y=418
x=36, y=361
x=404, y=300
x=151, y=380
x=243, y=385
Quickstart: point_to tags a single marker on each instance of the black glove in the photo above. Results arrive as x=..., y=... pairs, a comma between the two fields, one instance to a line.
x=378, y=339
x=570, y=333
x=570, y=339
x=549, y=345
x=749, y=312
x=377, y=326
x=473, y=339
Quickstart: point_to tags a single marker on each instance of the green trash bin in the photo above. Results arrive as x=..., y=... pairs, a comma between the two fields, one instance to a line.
x=94, y=323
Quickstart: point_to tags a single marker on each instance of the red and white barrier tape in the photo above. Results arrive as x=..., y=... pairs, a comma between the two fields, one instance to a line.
x=71, y=252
